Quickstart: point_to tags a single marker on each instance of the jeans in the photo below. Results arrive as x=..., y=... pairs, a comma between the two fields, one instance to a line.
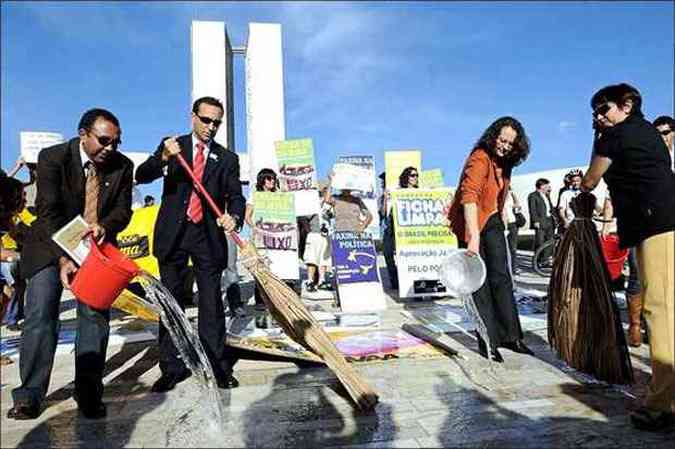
x=14, y=313
x=41, y=334
x=633, y=287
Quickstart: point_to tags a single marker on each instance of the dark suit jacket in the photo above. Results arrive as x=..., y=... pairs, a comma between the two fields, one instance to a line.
x=221, y=181
x=537, y=208
x=60, y=198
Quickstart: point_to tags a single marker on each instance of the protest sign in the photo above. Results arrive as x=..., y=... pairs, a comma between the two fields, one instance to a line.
x=423, y=240
x=33, y=142
x=396, y=161
x=275, y=233
x=296, y=164
x=431, y=179
x=356, y=273
x=367, y=185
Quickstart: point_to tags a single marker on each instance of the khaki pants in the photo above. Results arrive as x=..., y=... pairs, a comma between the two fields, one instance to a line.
x=656, y=262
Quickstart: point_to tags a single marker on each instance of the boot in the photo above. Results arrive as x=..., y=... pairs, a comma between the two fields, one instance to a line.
x=634, y=312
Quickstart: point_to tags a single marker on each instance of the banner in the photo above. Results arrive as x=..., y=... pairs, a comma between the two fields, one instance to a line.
x=366, y=167
x=275, y=232
x=396, y=161
x=296, y=164
x=356, y=273
x=355, y=173
x=431, y=179
x=423, y=240
x=33, y=142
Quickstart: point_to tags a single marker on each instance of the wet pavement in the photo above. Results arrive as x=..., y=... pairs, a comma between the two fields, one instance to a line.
x=440, y=401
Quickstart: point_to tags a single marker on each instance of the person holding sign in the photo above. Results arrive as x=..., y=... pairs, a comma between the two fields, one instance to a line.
x=475, y=218
x=85, y=176
x=187, y=229
x=408, y=179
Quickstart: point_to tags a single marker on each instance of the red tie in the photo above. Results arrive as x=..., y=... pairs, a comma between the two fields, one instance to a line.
x=194, y=212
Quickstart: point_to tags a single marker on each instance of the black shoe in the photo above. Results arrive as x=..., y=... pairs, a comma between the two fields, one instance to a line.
x=652, y=420
x=93, y=411
x=23, y=410
x=325, y=285
x=496, y=356
x=518, y=346
x=169, y=381
x=14, y=327
x=228, y=383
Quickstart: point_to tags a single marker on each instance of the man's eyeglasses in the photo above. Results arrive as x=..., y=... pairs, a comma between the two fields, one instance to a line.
x=207, y=121
x=105, y=141
x=665, y=132
x=601, y=110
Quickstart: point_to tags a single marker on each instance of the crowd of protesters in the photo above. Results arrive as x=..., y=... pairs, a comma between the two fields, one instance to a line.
x=634, y=156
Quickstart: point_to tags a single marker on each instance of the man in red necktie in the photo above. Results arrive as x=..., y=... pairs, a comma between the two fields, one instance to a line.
x=187, y=229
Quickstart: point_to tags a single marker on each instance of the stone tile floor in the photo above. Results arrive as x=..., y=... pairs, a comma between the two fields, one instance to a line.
x=439, y=402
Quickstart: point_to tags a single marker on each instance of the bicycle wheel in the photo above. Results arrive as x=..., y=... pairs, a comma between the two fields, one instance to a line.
x=542, y=262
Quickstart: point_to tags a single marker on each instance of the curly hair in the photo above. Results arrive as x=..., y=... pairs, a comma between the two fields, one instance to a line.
x=266, y=173
x=521, y=146
x=403, y=177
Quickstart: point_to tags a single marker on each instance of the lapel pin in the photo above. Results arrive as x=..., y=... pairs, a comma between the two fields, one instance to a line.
x=213, y=156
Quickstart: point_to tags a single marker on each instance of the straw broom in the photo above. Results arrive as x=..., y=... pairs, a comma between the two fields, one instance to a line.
x=289, y=311
x=584, y=325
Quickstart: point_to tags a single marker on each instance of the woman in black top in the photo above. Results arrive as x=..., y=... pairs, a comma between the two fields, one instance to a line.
x=631, y=157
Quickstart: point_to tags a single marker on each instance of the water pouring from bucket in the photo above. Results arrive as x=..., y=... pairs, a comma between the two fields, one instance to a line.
x=106, y=272
x=463, y=274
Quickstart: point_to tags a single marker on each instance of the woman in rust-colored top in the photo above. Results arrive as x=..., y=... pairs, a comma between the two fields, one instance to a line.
x=476, y=219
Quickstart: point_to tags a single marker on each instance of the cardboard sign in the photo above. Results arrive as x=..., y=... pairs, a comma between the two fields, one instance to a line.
x=356, y=272
x=396, y=161
x=431, y=179
x=423, y=240
x=275, y=233
x=296, y=165
x=33, y=142
x=369, y=183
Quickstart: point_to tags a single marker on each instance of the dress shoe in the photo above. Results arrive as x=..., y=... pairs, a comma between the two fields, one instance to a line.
x=228, y=383
x=518, y=346
x=93, y=411
x=497, y=356
x=169, y=381
x=23, y=410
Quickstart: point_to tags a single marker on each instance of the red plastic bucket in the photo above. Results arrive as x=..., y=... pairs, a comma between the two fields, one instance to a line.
x=105, y=272
x=615, y=257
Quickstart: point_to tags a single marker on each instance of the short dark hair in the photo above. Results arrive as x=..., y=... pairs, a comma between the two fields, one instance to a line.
x=89, y=118
x=618, y=94
x=541, y=182
x=264, y=174
x=405, y=174
x=521, y=146
x=207, y=100
x=148, y=199
x=665, y=120
x=11, y=196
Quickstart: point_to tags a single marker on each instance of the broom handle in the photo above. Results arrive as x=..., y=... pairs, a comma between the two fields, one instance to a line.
x=214, y=207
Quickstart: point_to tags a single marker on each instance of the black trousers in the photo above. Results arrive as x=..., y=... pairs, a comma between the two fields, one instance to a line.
x=211, y=314
x=494, y=299
x=512, y=238
x=542, y=235
x=389, y=250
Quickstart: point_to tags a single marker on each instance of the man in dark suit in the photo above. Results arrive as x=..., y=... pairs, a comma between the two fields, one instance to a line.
x=539, y=204
x=84, y=176
x=187, y=228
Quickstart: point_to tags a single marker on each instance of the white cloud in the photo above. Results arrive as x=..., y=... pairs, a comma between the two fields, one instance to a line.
x=565, y=126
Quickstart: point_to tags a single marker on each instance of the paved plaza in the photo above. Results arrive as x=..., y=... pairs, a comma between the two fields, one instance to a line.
x=439, y=401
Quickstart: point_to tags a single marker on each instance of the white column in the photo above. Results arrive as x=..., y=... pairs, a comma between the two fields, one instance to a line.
x=264, y=95
x=212, y=72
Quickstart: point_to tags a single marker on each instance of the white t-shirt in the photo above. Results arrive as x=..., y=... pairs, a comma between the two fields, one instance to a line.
x=565, y=198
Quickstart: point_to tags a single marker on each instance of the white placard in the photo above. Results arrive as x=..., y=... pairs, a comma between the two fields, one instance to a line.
x=307, y=202
x=352, y=177
x=33, y=142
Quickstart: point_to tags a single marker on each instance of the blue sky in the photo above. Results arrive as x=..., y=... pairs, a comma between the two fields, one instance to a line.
x=360, y=78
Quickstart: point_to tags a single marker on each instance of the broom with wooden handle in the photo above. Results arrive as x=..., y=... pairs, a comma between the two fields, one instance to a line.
x=287, y=308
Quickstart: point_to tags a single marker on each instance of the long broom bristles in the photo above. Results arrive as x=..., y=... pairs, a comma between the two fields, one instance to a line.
x=584, y=325
x=285, y=306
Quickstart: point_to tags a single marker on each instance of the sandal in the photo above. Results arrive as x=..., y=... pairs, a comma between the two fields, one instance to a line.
x=652, y=420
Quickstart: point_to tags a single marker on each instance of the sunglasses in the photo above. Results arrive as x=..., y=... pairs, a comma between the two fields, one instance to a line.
x=665, y=132
x=207, y=121
x=601, y=110
x=413, y=175
x=105, y=141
